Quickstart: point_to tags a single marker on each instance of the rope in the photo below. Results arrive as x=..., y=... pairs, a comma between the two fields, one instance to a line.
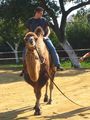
x=62, y=91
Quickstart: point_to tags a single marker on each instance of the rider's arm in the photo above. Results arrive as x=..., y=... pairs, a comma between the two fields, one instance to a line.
x=48, y=31
x=85, y=56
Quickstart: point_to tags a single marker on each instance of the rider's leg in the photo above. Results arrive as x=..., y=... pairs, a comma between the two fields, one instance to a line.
x=53, y=52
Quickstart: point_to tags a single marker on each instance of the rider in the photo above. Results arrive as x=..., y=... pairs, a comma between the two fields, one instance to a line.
x=39, y=20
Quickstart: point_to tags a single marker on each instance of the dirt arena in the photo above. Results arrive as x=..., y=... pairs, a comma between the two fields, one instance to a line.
x=17, y=98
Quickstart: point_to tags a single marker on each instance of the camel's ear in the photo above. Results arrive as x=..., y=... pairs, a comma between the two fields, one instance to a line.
x=39, y=31
x=24, y=39
x=35, y=36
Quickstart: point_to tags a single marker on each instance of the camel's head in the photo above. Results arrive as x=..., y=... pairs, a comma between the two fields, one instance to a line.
x=30, y=40
x=31, y=37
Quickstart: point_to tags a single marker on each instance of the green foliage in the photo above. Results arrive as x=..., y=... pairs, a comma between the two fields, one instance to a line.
x=14, y=14
x=88, y=17
x=13, y=33
x=54, y=39
x=78, y=32
x=17, y=9
x=66, y=64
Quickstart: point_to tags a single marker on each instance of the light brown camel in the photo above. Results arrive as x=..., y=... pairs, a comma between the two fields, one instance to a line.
x=36, y=64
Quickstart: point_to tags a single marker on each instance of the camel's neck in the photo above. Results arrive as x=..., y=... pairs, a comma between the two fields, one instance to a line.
x=33, y=65
x=32, y=59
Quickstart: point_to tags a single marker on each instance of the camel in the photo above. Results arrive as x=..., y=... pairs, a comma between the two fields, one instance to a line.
x=37, y=64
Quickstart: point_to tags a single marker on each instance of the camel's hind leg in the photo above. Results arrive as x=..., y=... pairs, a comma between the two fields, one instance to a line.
x=51, y=89
x=46, y=93
x=52, y=75
x=37, y=105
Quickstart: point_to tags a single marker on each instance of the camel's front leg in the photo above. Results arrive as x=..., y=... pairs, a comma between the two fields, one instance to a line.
x=46, y=93
x=37, y=105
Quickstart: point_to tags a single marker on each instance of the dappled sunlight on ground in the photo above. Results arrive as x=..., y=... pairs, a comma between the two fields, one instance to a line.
x=17, y=97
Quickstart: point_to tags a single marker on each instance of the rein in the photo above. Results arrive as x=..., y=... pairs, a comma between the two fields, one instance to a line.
x=62, y=91
x=43, y=62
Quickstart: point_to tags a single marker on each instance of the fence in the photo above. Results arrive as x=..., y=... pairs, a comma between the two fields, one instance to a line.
x=7, y=56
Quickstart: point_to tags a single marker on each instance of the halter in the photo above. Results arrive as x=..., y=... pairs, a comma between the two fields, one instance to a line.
x=41, y=59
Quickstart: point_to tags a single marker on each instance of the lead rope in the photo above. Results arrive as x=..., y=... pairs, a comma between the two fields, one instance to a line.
x=41, y=61
x=55, y=83
x=62, y=91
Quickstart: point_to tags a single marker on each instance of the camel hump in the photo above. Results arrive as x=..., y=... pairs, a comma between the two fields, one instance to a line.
x=39, y=31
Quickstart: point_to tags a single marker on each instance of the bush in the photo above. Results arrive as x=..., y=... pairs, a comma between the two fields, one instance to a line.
x=78, y=33
x=54, y=39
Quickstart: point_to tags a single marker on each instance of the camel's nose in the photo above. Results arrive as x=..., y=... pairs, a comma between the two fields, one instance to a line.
x=31, y=41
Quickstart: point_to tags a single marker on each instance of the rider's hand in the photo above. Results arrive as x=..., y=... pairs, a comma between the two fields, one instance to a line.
x=81, y=59
x=45, y=37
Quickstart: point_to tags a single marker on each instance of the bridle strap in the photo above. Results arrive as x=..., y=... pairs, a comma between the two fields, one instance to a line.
x=42, y=60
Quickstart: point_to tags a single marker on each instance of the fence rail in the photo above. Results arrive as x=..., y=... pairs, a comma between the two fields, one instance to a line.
x=57, y=50
x=12, y=58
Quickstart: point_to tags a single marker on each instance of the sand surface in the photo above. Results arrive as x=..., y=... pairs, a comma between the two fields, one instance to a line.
x=17, y=97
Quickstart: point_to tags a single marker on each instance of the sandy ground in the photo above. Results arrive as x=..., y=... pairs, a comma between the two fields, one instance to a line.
x=17, y=98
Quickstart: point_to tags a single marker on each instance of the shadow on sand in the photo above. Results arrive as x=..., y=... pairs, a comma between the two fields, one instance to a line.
x=10, y=77
x=66, y=115
x=14, y=74
x=72, y=72
x=12, y=115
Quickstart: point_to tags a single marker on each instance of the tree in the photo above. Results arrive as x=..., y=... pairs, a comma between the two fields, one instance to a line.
x=12, y=28
x=53, y=11
x=12, y=34
x=13, y=15
x=79, y=30
x=15, y=11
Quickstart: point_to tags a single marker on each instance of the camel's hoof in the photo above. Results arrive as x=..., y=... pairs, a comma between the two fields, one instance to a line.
x=34, y=107
x=46, y=99
x=49, y=102
x=37, y=113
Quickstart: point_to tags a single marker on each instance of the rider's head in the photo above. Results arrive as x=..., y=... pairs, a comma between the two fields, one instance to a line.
x=39, y=12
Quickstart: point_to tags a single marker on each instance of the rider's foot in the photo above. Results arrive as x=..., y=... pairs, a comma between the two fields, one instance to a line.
x=59, y=68
x=21, y=74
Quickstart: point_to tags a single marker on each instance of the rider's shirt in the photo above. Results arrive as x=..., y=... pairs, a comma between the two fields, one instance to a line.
x=33, y=23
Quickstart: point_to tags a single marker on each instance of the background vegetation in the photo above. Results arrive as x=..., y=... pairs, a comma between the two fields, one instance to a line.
x=15, y=13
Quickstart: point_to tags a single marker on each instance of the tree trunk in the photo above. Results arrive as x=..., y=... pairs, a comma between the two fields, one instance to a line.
x=65, y=44
x=16, y=57
x=16, y=53
x=15, y=50
x=69, y=50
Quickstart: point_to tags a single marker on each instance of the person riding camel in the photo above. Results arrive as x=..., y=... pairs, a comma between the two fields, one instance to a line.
x=39, y=20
